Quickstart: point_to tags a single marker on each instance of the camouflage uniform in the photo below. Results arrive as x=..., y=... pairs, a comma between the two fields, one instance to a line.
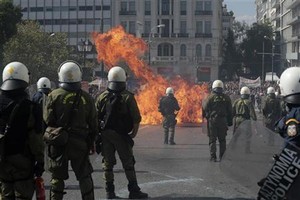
x=114, y=140
x=271, y=111
x=81, y=138
x=218, y=112
x=167, y=106
x=243, y=110
x=24, y=148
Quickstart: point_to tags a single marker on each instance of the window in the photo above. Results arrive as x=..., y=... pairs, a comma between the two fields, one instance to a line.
x=147, y=27
x=123, y=6
x=208, y=50
x=147, y=7
x=199, y=27
x=165, y=6
x=182, y=7
x=199, y=5
x=165, y=49
x=183, y=50
x=124, y=24
x=132, y=27
x=199, y=51
x=131, y=6
x=207, y=5
x=183, y=27
x=207, y=27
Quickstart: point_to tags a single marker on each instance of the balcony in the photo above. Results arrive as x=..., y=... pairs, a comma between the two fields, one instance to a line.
x=292, y=56
x=145, y=34
x=127, y=12
x=203, y=12
x=163, y=59
x=293, y=4
x=183, y=35
x=294, y=21
x=275, y=4
x=203, y=35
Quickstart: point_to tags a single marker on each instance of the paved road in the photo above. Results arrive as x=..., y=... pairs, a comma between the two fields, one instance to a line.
x=182, y=171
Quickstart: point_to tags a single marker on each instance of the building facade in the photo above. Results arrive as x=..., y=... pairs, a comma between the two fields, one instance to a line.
x=185, y=37
x=77, y=18
x=284, y=15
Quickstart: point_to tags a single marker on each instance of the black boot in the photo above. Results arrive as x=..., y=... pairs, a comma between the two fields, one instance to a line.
x=135, y=191
x=110, y=191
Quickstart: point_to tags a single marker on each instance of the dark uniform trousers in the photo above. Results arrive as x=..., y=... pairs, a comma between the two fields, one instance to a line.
x=217, y=130
x=169, y=123
x=16, y=178
x=112, y=142
x=77, y=152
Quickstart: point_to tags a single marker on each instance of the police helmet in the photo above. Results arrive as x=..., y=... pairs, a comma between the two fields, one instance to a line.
x=44, y=85
x=270, y=90
x=116, y=78
x=218, y=86
x=245, y=92
x=15, y=76
x=289, y=85
x=169, y=91
x=70, y=75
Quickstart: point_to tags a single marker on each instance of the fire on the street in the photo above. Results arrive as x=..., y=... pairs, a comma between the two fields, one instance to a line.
x=116, y=46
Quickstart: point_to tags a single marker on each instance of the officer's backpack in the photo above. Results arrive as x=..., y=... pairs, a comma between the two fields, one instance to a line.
x=113, y=116
x=242, y=109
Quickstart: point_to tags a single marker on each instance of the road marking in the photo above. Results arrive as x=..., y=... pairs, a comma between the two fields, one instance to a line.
x=174, y=180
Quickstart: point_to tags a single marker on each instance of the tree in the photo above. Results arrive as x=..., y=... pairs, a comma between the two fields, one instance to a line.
x=231, y=61
x=9, y=17
x=252, y=47
x=41, y=52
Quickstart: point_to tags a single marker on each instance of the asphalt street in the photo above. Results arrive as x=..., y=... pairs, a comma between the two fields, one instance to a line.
x=181, y=171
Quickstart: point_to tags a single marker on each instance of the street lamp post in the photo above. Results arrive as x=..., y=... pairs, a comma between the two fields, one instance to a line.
x=263, y=61
x=84, y=46
x=149, y=40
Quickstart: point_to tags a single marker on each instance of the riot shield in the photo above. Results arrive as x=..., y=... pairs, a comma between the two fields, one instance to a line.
x=248, y=156
x=283, y=179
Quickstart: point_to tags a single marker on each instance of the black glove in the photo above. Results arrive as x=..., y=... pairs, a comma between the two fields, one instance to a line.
x=39, y=169
x=98, y=143
x=229, y=123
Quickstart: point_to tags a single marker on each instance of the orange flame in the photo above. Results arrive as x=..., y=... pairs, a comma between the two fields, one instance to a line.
x=117, y=46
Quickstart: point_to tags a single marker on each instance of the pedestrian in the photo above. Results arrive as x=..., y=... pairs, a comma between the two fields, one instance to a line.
x=119, y=118
x=218, y=112
x=73, y=109
x=243, y=110
x=21, y=143
x=271, y=109
x=168, y=107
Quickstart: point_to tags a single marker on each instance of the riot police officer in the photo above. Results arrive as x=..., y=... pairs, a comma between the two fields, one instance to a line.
x=74, y=109
x=290, y=90
x=44, y=88
x=22, y=147
x=119, y=117
x=218, y=112
x=168, y=107
x=271, y=109
x=243, y=109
